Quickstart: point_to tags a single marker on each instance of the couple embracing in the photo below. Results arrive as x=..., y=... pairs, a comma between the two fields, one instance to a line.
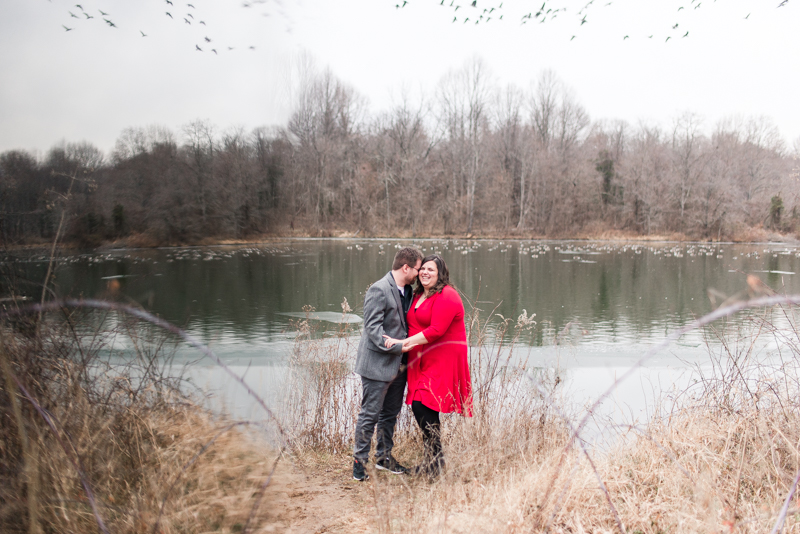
x=415, y=337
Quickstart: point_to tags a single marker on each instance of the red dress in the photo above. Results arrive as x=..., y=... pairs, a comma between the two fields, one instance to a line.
x=438, y=373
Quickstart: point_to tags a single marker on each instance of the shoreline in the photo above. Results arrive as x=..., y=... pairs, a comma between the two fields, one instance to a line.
x=138, y=241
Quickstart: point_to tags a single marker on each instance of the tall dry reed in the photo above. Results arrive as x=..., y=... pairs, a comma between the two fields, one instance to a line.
x=97, y=438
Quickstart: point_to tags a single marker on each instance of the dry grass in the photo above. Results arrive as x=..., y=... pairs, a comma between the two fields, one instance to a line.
x=722, y=458
x=126, y=431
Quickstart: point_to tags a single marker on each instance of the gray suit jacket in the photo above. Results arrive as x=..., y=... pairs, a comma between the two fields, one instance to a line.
x=383, y=314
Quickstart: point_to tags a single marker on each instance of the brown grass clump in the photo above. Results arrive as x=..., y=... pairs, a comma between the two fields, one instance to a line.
x=118, y=441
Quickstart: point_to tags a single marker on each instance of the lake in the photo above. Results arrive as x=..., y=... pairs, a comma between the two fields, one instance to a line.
x=605, y=303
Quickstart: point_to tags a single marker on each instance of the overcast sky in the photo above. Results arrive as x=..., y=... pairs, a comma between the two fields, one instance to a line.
x=88, y=84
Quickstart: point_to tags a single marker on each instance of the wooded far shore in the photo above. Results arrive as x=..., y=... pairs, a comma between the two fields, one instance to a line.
x=472, y=161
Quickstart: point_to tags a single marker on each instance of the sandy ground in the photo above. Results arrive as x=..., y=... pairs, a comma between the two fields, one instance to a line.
x=314, y=500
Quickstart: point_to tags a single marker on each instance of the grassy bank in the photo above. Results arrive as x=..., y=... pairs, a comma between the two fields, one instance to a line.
x=86, y=442
x=95, y=439
x=721, y=456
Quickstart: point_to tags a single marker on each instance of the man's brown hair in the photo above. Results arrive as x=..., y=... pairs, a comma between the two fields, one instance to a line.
x=406, y=256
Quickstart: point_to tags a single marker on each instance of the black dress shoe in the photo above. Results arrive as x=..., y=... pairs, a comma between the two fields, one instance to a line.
x=391, y=465
x=359, y=472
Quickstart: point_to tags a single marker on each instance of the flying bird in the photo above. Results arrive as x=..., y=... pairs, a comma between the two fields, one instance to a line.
x=143, y=34
x=73, y=15
x=214, y=50
x=583, y=21
x=187, y=21
x=170, y=3
x=79, y=6
x=190, y=15
x=626, y=37
x=190, y=5
x=101, y=12
x=207, y=39
x=686, y=34
x=203, y=23
x=68, y=29
x=668, y=38
x=110, y=23
x=748, y=16
x=198, y=48
x=676, y=25
x=169, y=14
x=88, y=16
x=252, y=48
x=571, y=38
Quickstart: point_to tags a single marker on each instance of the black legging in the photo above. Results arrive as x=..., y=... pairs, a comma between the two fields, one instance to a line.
x=428, y=421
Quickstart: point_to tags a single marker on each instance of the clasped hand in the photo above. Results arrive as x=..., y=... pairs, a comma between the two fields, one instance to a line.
x=407, y=344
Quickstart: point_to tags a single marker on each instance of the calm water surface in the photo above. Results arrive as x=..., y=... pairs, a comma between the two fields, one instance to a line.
x=609, y=301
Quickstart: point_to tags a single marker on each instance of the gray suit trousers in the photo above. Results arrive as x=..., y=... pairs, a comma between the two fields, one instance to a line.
x=380, y=405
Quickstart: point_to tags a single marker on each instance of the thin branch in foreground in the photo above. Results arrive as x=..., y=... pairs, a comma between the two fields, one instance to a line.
x=782, y=516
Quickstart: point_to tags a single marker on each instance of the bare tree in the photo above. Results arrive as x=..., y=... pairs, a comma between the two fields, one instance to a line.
x=646, y=174
x=201, y=146
x=511, y=149
x=688, y=159
x=463, y=98
x=326, y=123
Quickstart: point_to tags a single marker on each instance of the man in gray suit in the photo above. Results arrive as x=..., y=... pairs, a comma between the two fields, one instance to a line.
x=383, y=370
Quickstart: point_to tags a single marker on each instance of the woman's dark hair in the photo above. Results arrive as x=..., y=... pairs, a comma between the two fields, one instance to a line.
x=444, y=275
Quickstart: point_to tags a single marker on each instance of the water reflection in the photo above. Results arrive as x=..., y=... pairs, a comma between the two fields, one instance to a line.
x=599, y=306
x=246, y=299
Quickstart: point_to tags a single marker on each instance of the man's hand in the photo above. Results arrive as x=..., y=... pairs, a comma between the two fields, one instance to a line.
x=391, y=342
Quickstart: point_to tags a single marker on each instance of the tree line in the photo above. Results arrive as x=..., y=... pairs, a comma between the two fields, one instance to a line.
x=470, y=158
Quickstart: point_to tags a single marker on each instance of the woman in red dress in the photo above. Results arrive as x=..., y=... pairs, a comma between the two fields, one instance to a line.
x=438, y=370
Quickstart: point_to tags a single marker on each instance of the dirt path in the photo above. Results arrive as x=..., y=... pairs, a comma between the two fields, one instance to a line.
x=316, y=500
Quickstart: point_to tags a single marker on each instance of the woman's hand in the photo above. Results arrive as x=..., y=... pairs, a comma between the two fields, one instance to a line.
x=391, y=342
x=409, y=344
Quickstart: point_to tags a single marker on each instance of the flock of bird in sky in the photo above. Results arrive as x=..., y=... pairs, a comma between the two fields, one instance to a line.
x=175, y=13
x=471, y=12
x=543, y=14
